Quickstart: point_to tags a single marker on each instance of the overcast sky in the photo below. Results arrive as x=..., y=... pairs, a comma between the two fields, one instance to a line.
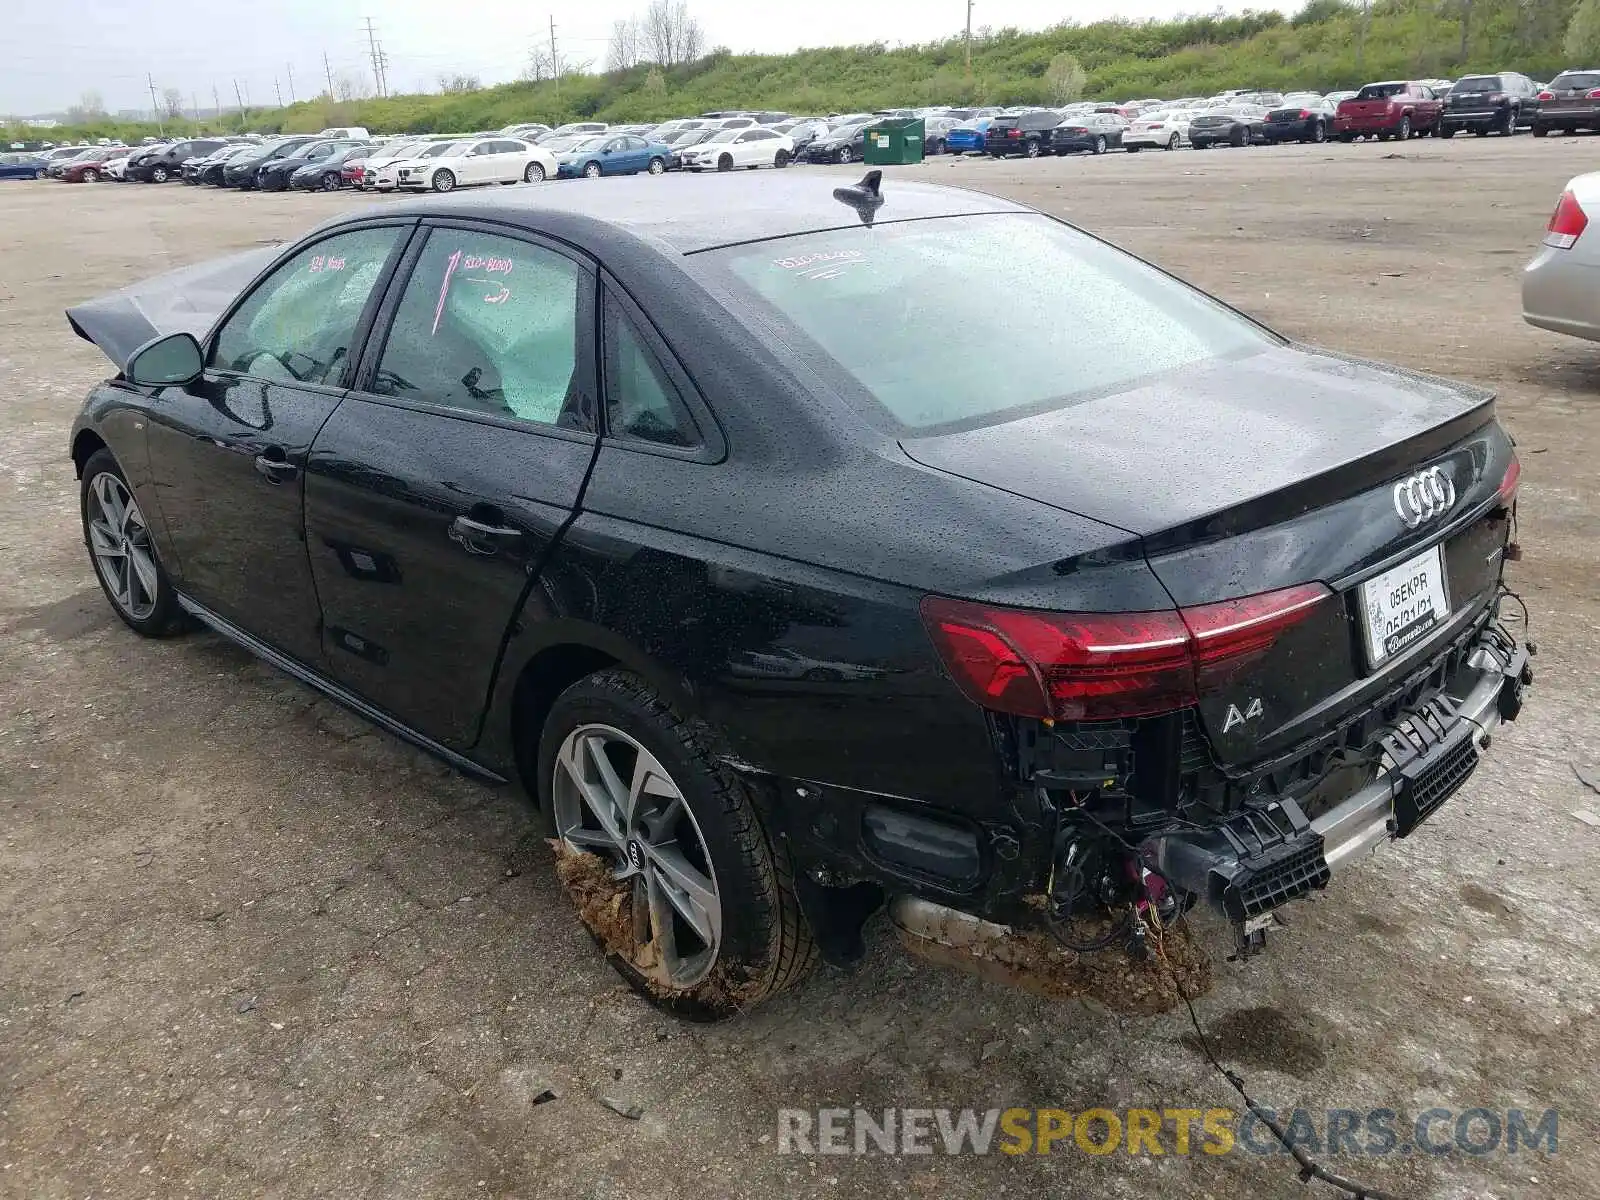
x=58, y=49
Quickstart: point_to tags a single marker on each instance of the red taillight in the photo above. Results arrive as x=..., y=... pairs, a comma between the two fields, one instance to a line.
x=1547, y=95
x=1593, y=95
x=1100, y=666
x=1305, y=114
x=1567, y=223
x=1508, y=485
x=1013, y=133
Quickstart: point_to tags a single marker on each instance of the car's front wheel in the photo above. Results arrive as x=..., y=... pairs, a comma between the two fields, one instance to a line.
x=725, y=163
x=91, y=176
x=844, y=154
x=533, y=173
x=661, y=849
x=592, y=170
x=123, y=552
x=159, y=175
x=658, y=166
x=444, y=181
x=780, y=159
x=1100, y=145
x=330, y=181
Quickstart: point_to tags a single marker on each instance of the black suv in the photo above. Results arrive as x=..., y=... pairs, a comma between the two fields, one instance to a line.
x=1488, y=104
x=1027, y=133
x=166, y=162
x=241, y=172
x=1569, y=102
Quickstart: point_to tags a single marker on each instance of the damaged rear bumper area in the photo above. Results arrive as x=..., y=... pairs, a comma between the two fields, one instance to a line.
x=1264, y=857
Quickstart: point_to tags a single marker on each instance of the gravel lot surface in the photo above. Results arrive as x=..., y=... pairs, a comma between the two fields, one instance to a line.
x=254, y=948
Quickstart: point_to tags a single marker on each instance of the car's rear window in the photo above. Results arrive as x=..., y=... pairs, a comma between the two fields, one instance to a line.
x=1577, y=79
x=962, y=320
x=1478, y=83
x=1380, y=91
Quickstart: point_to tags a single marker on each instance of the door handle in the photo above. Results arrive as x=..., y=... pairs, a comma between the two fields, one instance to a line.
x=274, y=466
x=481, y=537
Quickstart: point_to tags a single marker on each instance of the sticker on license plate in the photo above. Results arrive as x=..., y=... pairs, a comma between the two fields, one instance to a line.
x=1400, y=607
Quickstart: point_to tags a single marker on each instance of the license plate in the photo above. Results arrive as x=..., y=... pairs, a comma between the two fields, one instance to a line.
x=1401, y=606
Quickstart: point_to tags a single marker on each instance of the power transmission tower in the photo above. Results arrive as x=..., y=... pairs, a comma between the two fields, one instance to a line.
x=194, y=103
x=969, y=37
x=329, y=71
x=277, y=87
x=155, y=107
x=377, y=56
x=240, y=101
x=216, y=101
x=290, y=67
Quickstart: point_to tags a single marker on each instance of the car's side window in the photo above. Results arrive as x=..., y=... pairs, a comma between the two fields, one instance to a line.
x=487, y=324
x=641, y=402
x=297, y=326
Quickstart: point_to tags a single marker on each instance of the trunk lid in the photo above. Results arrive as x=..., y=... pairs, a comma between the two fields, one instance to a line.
x=1365, y=110
x=1259, y=474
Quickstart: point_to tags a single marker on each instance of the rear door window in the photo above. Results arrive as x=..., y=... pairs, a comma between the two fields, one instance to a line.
x=1380, y=91
x=1576, y=81
x=487, y=324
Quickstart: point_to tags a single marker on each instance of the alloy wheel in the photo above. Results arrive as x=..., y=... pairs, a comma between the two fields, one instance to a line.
x=844, y=154
x=91, y=176
x=119, y=539
x=591, y=171
x=533, y=173
x=611, y=797
x=159, y=175
x=330, y=183
x=443, y=181
x=1100, y=145
x=1172, y=142
x=657, y=167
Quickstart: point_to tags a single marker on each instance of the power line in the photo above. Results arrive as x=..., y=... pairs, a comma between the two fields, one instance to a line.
x=155, y=109
x=378, y=60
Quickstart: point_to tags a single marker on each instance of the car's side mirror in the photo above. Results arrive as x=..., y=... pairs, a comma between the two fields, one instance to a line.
x=173, y=359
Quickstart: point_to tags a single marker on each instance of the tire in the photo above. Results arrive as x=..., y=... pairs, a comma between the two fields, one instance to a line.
x=1347, y=138
x=941, y=147
x=157, y=615
x=1540, y=130
x=1481, y=131
x=1030, y=148
x=1172, y=142
x=1445, y=133
x=330, y=182
x=1238, y=138
x=658, y=166
x=1319, y=133
x=444, y=181
x=592, y=170
x=1510, y=129
x=91, y=176
x=159, y=175
x=725, y=163
x=761, y=944
x=780, y=160
x=1404, y=132
x=1100, y=144
x=1133, y=149
x=844, y=155
x=534, y=172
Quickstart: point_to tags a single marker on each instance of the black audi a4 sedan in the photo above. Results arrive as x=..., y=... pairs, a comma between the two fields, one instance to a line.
x=664, y=503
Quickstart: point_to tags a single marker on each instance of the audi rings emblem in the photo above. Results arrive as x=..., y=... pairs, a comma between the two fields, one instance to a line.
x=1424, y=496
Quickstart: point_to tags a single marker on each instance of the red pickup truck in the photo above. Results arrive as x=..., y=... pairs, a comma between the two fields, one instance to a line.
x=1389, y=110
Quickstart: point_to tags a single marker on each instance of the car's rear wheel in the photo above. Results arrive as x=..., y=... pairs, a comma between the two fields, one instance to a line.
x=1236, y=138
x=1539, y=130
x=725, y=163
x=1172, y=142
x=91, y=176
x=1445, y=133
x=1347, y=138
x=1404, y=132
x=660, y=847
x=123, y=552
x=780, y=159
x=533, y=173
x=1319, y=133
x=940, y=146
x=1509, y=128
x=1031, y=148
x=658, y=166
x=444, y=181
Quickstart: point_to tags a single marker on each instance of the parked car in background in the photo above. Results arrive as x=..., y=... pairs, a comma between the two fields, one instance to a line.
x=841, y=144
x=477, y=161
x=210, y=168
x=383, y=158
x=167, y=163
x=679, y=141
x=274, y=176
x=1306, y=117
x=88, y=167
x=803, y=132
x=1161, y=129
x=60, y=154
x=241, y=171
x=576, y=129
x=1488, y=104
x=1094, y=132
x=1568, y=103
x=1232, y=125
x=117, y=167
x=1396, y=109
x=967, y=137
x=613, y=155
x=1559, y=290
x=1027, y=133
x=21, y=166
x=936, y=134
x=528, y=132
x=732, y=148
x=327, y=172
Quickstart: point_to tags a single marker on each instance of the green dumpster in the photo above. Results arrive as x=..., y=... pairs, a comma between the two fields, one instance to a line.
x=895, y=141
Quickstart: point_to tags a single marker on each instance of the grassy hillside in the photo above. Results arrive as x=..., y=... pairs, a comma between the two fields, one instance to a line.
x=1123, y=60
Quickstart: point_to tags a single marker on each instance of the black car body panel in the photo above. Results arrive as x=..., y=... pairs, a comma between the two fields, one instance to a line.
x=241, y=172
x=1222, y=127
x=1489, y=103
x=168, y=163
x=795, y=623
x=1092, y=132
x=1569, y=102
x=1027, y=133
x=1298, y=123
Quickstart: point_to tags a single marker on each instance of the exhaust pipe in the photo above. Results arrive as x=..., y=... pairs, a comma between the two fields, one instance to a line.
x=951, y=938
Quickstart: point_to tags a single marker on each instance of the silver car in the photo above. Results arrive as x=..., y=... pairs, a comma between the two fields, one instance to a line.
x=1559, y=289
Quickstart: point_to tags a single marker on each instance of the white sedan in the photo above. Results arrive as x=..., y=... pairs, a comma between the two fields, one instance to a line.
x=753, y=147
x=477, y=160
x=1164, y=130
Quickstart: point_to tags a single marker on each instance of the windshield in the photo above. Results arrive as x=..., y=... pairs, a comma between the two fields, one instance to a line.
x=1380, y=91
x=727, y=135
x=881, y=302
x=444, y=149
x=585, y=144
x=1478, y=83
x=1577, y=80
x=1301, y=98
